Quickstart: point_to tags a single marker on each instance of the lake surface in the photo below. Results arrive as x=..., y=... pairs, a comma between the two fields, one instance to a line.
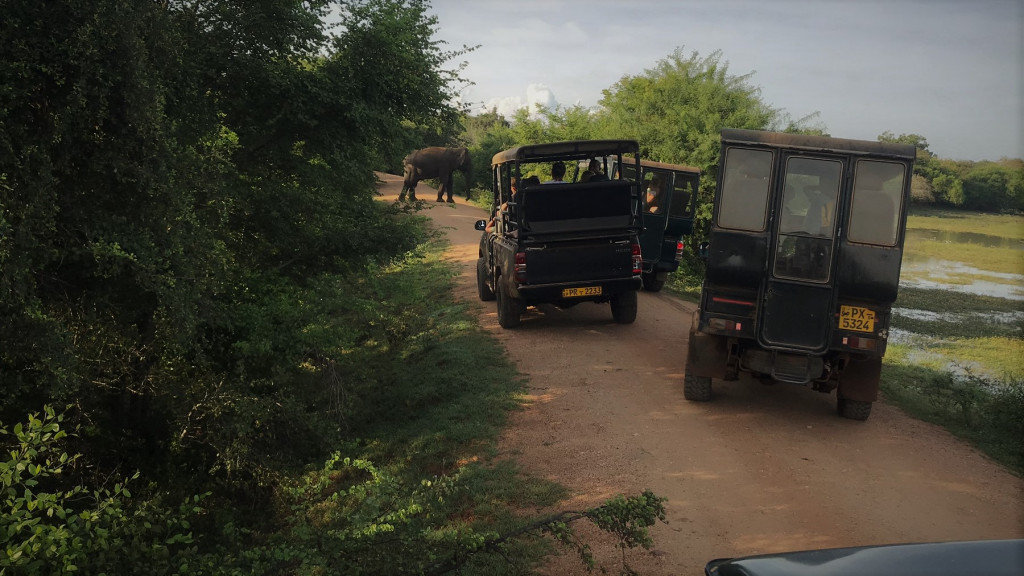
x=931, y=273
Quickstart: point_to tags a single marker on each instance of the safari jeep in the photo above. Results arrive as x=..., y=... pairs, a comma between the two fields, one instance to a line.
x=561, y=243
x=803, y=264
x=669, y=194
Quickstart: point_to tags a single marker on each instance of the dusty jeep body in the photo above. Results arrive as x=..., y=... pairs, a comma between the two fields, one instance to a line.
x=668, y=216
x=561, y=243
x=803, y=264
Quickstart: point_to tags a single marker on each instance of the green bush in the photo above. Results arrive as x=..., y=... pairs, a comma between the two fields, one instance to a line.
x=50, y=527
x=987, y=413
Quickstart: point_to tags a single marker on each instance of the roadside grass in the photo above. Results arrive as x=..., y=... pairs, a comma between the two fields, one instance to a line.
x=995, y=358
x=949, y=301
x=428, y=395
x=436, y=393
x=988, y=415
x=686, y=282
x=991, y=258
x=1003, y=358
x=957, y=359
x=1000, y=225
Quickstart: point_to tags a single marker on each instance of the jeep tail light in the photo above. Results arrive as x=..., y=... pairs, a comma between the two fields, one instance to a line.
x=520, y=268
x=679, y=250
x=724, y=325
x=859, y=343
x=638, y=261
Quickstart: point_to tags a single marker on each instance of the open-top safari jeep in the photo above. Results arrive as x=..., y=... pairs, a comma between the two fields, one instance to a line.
x=803, y=264
x=561, y=242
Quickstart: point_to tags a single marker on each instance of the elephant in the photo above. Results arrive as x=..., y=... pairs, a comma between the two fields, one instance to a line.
x=435, y=162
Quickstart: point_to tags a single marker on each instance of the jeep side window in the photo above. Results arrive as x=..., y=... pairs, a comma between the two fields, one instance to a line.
x=654, y=195
x=682, y=190
x=877, y=201
x=745, y=189
x=624, y=171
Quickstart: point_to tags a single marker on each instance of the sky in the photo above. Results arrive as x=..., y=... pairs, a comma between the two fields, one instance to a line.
x=951, y=71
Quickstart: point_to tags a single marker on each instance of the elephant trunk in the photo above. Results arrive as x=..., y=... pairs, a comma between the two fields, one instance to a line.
x=467, y=172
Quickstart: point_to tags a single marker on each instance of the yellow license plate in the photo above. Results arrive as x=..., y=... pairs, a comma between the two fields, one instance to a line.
x=577, y=292
x=856, y=319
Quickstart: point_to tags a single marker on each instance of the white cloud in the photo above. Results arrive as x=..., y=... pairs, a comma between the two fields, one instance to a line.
x=535, y=94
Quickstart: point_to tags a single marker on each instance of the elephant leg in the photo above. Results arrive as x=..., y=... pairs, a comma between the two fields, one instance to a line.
x=440, y=192
x=412, y=194
x=401, y=195
x=448, y=188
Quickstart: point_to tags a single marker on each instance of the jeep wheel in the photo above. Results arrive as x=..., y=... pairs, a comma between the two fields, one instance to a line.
x=697, y=388
x=624, y=307
x=482, y=289
x=651, y=282
x=508, y=308
x=853, y=409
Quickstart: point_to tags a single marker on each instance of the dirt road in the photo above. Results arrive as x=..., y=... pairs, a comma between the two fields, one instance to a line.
x=760, y=469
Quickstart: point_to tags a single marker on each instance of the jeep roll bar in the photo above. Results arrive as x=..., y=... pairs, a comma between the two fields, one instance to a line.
x=569, y=150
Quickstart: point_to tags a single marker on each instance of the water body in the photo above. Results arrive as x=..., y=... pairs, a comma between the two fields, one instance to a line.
x=934, y=274
x=918, y=234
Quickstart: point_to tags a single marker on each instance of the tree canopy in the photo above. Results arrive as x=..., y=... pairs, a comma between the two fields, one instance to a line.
x=186, y=192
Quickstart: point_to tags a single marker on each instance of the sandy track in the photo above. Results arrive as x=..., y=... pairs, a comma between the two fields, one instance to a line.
x=759, y=469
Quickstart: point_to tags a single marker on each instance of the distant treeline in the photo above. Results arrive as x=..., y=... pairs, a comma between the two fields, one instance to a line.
x=677, y=109
x=984, y=186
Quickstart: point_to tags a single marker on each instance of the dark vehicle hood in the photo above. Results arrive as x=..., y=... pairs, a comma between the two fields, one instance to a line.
x=989, y=558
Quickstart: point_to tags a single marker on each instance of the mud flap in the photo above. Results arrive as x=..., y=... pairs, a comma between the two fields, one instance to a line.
x=707, y=354
x=859, y=379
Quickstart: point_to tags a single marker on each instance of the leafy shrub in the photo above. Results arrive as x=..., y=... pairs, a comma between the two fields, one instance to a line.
x=352, y=517
x=52, y=528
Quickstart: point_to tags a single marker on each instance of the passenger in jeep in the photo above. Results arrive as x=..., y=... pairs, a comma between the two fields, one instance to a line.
x=593, y=172
x=653, y=198
x=557, y=173
x=504, y=205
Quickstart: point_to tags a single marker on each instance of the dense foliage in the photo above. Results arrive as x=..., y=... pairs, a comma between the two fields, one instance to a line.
x=194, y=265
x=983, y=186
x=675, y=110
x=186, y=217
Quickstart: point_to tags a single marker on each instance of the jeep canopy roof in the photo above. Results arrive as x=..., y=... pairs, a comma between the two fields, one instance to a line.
x=569, y=150
x=664, y=166
x=820, y=143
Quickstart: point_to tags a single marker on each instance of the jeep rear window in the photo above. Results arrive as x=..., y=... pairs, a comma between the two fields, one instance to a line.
x=877, y=202
x=745, y=189
x=806, y=219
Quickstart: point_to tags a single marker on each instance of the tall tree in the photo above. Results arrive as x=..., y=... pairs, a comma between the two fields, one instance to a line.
x=677, y=109
x=174, y=176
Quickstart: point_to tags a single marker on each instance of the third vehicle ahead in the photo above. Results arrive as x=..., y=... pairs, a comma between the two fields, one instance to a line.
x=669, y=193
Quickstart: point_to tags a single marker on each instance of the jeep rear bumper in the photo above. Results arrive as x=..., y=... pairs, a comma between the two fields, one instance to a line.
x=555, y=292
